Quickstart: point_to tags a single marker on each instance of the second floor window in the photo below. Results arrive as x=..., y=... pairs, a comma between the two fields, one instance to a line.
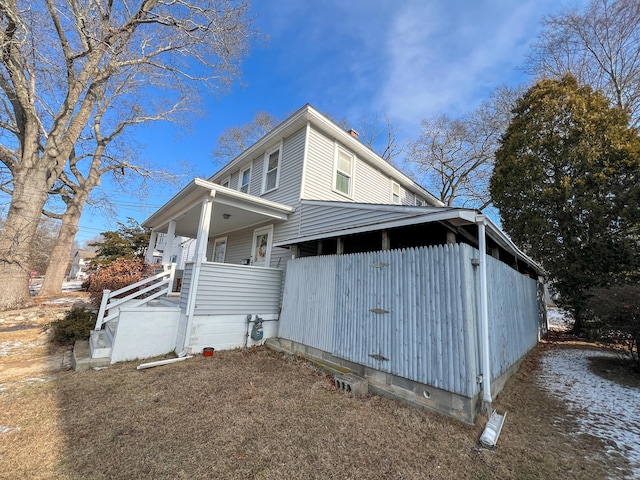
x=395, y=193
x=245, y=178
x=344, y=173
x=271, y=167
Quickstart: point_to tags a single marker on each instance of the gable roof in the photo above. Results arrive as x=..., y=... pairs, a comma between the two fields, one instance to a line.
x=308, y=114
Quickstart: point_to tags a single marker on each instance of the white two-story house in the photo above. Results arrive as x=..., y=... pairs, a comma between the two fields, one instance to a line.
x=311, y=189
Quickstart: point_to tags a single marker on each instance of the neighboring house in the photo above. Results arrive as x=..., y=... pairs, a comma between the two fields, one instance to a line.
x=435, y=304
x=80, y=264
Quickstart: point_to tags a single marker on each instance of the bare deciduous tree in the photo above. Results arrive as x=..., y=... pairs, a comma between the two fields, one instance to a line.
x=234, y=140
x=599, y=45
x=59, y=59
x=372, y=128
x=456, y=155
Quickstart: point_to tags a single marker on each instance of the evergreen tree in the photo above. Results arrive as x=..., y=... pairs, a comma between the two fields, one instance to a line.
x=129, y=241
x=566, y=185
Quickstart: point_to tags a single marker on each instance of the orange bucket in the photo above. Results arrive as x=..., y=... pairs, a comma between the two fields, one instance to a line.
x=208, y=352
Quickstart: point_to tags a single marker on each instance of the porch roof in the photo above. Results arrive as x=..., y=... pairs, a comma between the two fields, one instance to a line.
x=231, y=210
x=456, y=217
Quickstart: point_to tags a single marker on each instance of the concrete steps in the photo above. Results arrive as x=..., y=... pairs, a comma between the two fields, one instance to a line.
x=81, y=359
x=101, y=341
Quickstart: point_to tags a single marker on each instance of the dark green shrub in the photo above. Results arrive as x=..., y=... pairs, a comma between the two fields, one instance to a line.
x=614, y=316
x=76, y=325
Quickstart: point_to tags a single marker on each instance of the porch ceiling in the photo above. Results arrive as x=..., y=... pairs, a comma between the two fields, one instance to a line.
x=241, y=210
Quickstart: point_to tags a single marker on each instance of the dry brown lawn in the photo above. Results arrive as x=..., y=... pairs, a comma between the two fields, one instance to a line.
x=258, y=414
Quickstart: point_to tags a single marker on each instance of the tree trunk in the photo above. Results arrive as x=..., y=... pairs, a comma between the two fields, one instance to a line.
x=60, y=255
x=17, y=237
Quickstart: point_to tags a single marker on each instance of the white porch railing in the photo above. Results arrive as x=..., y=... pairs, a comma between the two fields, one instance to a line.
x=161, y=282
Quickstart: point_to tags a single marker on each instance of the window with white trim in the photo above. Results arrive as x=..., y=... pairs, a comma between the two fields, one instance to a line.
x=219, y=249
x=226, y=182
x=344, y=164
x=420, y=202
x=395, y=193
x=271, y=170
x=245, y=178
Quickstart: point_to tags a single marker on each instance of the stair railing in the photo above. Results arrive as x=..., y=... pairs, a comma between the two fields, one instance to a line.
x=161, y=282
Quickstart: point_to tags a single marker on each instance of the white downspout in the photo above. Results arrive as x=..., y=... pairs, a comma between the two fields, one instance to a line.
x=201, y=252
x=484, y=314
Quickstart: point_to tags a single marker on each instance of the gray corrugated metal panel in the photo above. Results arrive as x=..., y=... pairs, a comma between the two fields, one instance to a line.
x=513, y=315
x=233, y=289
x=308, y=308
x=423, y=335
x=470, y=307
x=186, y=282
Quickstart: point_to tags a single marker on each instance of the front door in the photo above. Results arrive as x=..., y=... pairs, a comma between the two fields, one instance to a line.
x=261, y=249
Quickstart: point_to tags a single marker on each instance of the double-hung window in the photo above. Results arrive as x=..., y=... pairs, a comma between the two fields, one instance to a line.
x=344, y=172
x=219, y=249
x=271, y=170
x=395, y=193
x=245, y=178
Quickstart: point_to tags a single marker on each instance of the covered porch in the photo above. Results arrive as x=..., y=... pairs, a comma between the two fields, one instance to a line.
x=220, y=304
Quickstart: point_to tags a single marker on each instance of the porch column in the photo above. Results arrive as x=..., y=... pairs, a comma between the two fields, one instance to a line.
x=148, y=258
x=171, y=234
x=201, y=252
x=203, y=229
x=386, y=241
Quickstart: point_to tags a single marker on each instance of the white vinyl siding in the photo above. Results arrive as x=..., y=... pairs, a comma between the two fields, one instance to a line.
x=244, y=179
x=271, y=169
x=323, y=218
x=369, y=185
x=344, y=172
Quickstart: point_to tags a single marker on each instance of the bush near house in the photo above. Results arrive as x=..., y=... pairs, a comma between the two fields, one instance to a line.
x=76, y=325
x=614, y=314
x=121, y=273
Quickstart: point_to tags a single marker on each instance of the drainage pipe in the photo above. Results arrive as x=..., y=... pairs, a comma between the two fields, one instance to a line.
x=142, y=366
x=484, y=314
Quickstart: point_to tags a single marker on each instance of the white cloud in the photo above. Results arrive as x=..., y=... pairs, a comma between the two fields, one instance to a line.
x=444, y=58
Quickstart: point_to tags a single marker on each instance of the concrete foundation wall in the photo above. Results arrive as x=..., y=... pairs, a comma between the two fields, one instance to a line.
x=408, y=391
x=225, y=332
x=145, y=332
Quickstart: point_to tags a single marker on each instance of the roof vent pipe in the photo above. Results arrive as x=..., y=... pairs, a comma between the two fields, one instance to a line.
x=353, y=133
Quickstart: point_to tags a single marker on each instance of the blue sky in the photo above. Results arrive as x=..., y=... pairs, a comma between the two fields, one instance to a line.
x=409, y=59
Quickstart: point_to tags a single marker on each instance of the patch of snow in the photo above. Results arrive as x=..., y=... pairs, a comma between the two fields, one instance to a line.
x=35, y=380
x=72, y=286
x=4, y=429
x=61, y=301
x=603, y=408
x=558, y=319
x=7, y=348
